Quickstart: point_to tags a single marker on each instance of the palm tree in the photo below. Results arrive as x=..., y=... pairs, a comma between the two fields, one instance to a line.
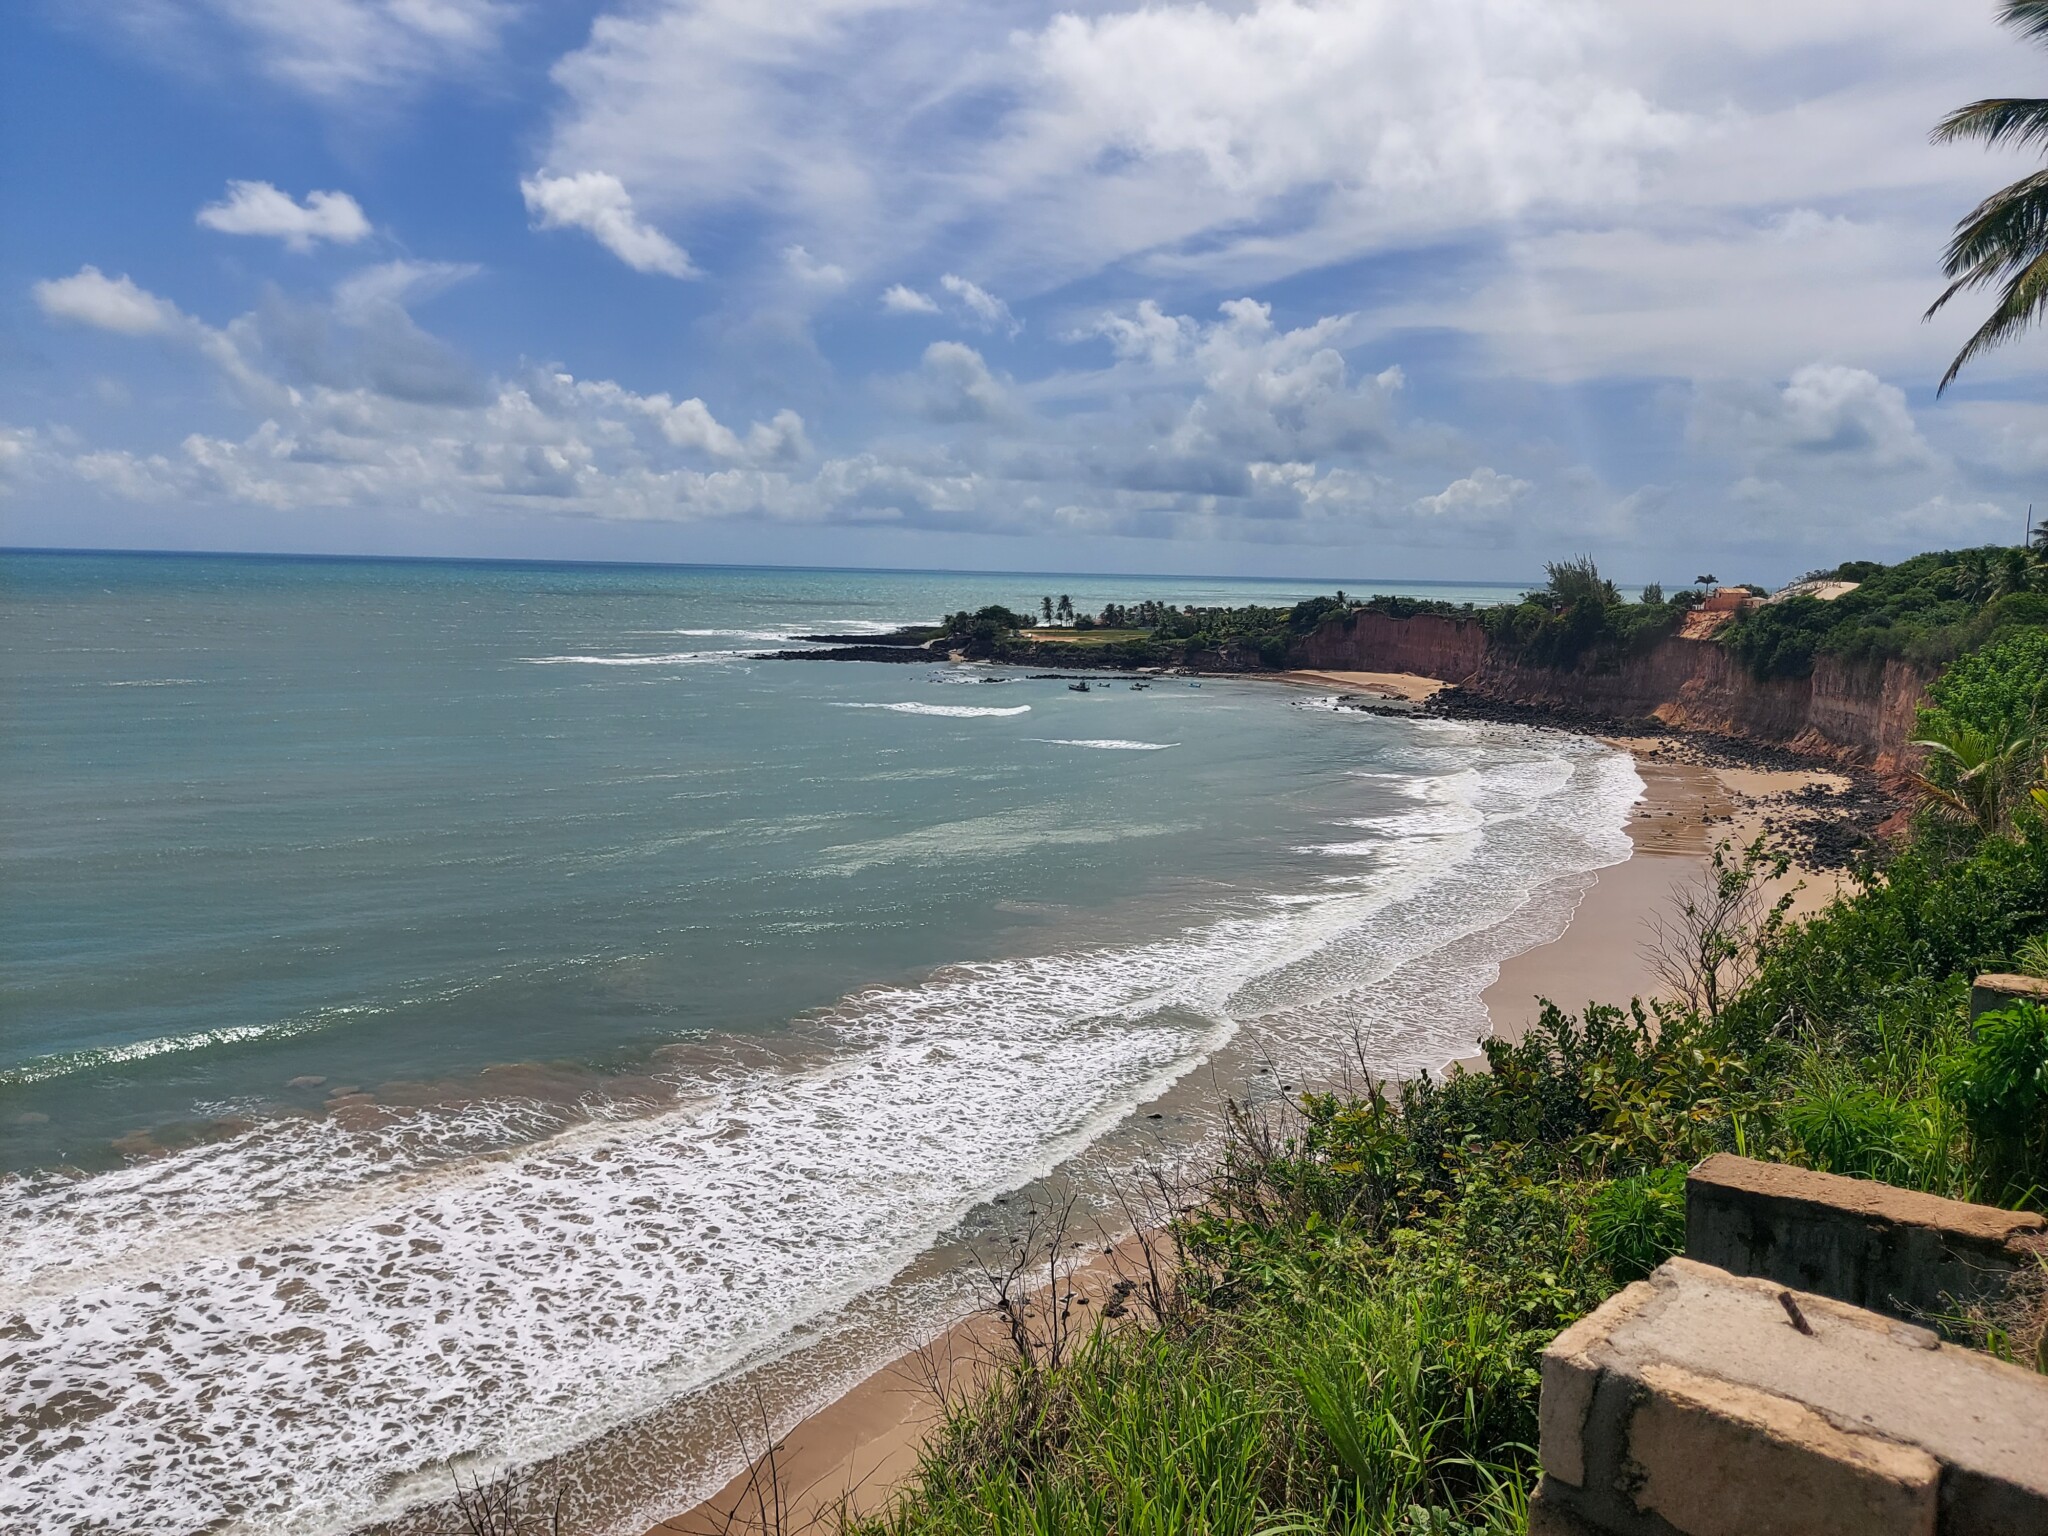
x=1066, y=607
x=1045, y=607
x=1973, y=775
x=2004, y=240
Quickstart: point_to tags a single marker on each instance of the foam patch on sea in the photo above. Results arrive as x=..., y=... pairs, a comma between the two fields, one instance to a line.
x=948, y=711
x=1109, y=745
x=296, y=1329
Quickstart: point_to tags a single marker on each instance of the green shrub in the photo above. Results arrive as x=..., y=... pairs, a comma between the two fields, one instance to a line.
x=1850, y=1127
x=1930, y=608
x=2001, y=690
x=1637, y=1223
x=2001, y=1082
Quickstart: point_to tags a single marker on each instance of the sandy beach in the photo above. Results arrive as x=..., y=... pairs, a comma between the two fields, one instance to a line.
x=1386, y=685
x=856, y=1451
x=852, y=1454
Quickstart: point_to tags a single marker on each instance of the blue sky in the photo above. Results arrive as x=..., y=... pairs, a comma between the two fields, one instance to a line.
x=1283, y=288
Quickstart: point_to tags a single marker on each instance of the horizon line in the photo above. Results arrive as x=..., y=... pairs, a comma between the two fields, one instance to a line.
x=702, y=565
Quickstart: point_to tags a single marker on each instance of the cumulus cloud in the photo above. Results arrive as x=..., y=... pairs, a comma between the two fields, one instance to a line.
x=1276, y=396
x=258, y=208
x=979, y=305
x=598, y=203
x=958, y=386
x=1482, y=496
x=810, y=271
x=900, y=300
x=1848, y=418
x=689, y=424
x=90, y=297
x=1147, y=334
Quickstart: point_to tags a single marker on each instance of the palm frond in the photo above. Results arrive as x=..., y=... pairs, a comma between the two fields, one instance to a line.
x=2002, y=120
x=2019, y=308
x=2006, y=236
x=2007, y=228
x=2029, y=18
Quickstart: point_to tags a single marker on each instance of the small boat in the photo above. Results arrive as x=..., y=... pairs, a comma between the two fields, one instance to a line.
x=1080, y=687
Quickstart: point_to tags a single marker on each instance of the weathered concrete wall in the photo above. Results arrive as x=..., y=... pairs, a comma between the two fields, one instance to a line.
x=1693, y=1403
x=1857, y=711
x=1992, y=991
x=1892, y=1250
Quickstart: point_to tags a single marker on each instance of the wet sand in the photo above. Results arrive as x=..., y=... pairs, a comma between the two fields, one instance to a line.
x=1386, y=685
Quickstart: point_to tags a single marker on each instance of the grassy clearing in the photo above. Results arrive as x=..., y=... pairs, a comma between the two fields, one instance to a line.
x=1084, y=637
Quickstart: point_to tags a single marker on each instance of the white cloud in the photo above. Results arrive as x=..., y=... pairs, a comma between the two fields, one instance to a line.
x=1274, y=396
x=689, y=424
x=337, y=51
x=1148, y=334
x=810, y=271
x=1155, y=132
x=981, y=306
x=18, y=452
x=1950, y=522
x=899, y=300
x=1480, y=496
x=90, y=297
x=1835, y=416
x=258, y=208
x=597, y=201
x=959, y=386
x=397, y=282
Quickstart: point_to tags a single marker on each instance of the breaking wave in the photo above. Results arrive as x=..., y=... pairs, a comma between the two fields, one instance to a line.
x=951, y=711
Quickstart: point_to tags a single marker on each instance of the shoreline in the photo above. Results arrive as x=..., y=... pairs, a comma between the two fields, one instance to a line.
x=858, y=1450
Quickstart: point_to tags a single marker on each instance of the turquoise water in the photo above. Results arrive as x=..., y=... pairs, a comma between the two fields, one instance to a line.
x=452, y=1008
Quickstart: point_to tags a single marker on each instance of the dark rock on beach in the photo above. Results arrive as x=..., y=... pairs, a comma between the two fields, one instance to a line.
x=883, y=651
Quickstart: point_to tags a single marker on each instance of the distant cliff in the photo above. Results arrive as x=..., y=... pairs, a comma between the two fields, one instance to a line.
x=1861, y=712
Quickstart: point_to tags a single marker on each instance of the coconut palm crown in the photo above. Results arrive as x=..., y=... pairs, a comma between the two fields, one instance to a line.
x=2003, y=243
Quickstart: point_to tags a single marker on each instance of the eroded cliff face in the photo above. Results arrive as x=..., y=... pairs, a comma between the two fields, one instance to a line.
x=1426, y=645
x=1861, y=712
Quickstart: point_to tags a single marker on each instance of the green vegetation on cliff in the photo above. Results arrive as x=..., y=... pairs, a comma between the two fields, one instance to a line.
x=1349, y=1335
x=1930, y=608
x=1153, y=634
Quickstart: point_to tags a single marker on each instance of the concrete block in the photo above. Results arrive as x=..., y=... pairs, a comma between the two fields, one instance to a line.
x=1992, y=991
x=1691, y=1405
x=1549, y=1516
x=1716, y=1458
x=1569, y=1376
x=1892, y=1250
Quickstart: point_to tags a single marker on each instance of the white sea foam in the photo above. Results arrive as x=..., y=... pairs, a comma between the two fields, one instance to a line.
x=775, y=636
x=294, y=1330
x=980, y=838
x=152, y=682
x=666, y=659
x=1110, y=745
x=952, y=711
x=42, y=1069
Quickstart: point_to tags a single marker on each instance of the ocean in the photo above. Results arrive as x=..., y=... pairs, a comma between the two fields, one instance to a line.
x=454, y=1014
